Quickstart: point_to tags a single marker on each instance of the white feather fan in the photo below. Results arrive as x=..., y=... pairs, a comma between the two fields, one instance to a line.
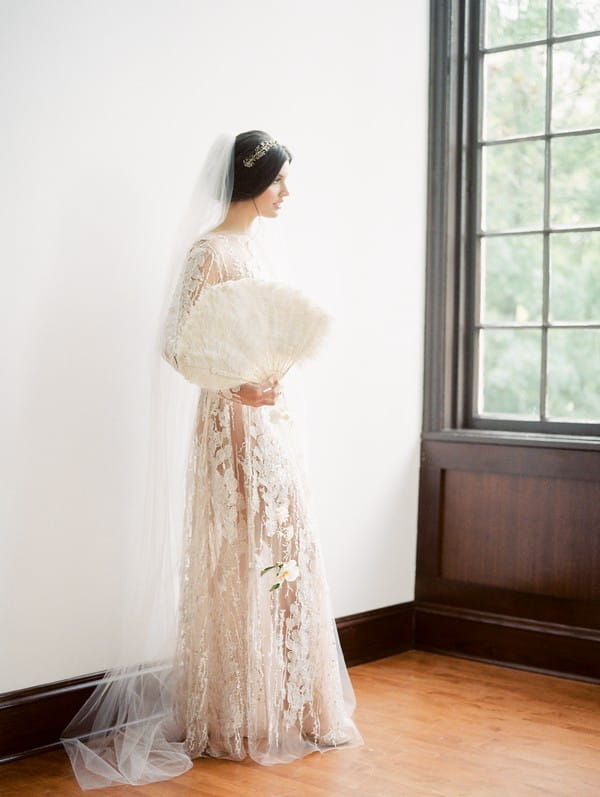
x=247, y=330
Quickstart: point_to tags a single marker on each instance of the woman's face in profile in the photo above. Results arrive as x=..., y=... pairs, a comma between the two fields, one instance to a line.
x=269, y=203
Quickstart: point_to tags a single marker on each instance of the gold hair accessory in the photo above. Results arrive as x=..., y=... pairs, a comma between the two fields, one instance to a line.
x=260, y=150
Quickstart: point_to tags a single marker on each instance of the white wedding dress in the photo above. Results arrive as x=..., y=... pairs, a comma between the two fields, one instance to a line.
x=262, y=672
x=246, y=671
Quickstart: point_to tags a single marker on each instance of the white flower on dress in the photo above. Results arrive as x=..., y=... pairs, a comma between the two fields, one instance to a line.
x=286, y=571
x=289, y=571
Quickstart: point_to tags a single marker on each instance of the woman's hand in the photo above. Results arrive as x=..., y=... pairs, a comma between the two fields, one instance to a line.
x=258, y=395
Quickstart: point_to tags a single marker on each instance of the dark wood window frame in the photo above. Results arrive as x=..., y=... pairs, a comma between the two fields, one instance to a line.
x=449, y=299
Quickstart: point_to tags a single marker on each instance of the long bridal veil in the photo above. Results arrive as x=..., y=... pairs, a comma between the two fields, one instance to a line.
x=126, y=732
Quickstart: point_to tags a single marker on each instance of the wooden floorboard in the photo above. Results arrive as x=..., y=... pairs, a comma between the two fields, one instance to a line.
x=432, y=725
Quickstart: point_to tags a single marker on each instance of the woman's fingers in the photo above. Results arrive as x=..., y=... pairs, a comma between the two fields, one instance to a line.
x=259, y=395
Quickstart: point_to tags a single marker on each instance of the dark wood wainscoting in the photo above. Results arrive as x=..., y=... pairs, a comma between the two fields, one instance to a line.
x=508, y=561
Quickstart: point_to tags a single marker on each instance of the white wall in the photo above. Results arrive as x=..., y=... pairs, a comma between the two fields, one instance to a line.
x=105, y=106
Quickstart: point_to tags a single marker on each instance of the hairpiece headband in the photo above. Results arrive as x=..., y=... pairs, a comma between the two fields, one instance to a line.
x=260, y=150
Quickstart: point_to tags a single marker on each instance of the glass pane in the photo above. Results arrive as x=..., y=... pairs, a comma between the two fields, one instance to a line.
x=510, y=362
x=575, y=277
x=512, y=278
x=575, y=188
x=574, y=374
x=576, y=84
x=512, y=21
x=576, y=16
x=513, y=186
x=514, y=92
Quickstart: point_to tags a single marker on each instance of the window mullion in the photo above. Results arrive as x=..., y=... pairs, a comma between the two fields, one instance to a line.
x=547, y=198
x=477, y=112
x=565, y=38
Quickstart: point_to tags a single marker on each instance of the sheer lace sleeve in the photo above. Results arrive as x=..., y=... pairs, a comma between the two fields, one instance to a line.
x=203, y=266
x=206, y=269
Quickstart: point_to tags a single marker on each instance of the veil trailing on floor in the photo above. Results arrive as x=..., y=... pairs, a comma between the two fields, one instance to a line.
x=126, y=731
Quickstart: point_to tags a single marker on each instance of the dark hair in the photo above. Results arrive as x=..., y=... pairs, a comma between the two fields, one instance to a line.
x=249, y=182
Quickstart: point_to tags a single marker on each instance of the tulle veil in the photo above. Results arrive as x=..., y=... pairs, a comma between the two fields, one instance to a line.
x=126, y=731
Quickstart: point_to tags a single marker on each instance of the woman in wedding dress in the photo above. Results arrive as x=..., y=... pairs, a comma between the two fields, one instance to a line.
x=257, y=669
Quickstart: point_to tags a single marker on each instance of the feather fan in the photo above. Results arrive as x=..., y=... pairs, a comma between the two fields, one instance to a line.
x=247, y=330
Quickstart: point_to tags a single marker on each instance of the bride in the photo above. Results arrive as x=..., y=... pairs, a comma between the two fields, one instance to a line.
x=234, y=622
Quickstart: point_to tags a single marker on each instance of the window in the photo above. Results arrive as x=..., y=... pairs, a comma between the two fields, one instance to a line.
x=517, y=156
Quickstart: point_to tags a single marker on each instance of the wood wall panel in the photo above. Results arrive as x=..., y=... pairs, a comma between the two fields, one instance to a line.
x=511, y=533
x=529, y=534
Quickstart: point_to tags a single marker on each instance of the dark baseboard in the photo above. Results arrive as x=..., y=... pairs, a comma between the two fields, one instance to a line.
x=31, y=720
x=535, y=645
x=378, y=633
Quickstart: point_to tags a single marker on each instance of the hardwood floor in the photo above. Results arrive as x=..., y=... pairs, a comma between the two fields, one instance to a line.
x=432, y=725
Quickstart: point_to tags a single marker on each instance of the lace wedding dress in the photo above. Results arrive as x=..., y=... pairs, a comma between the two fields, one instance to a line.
x=261, y=672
